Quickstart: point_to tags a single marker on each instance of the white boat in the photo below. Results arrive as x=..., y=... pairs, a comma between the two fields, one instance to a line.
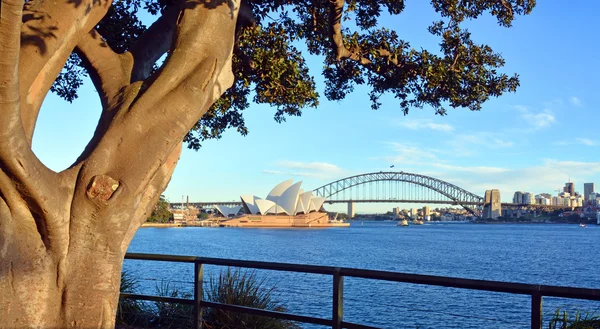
x=582, y=225
x=403, y=222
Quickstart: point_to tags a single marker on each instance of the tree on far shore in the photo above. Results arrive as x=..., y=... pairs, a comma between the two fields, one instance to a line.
x=63, y=235
x=161, y=213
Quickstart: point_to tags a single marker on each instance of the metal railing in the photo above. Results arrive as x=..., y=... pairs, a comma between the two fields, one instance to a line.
x=535, y=291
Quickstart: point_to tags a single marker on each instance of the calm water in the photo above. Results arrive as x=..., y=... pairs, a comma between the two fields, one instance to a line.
x=543, y=254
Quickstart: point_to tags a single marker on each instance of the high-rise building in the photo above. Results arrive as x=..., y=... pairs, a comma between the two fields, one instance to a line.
x=569, y=188
x=588, y=188
x=518, y=197
x=528, y=198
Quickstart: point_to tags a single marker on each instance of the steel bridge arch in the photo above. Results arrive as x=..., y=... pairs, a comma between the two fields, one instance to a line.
x=458, y=195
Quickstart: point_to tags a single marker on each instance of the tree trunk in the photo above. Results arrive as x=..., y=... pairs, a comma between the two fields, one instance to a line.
x=63, y=235
x=70, y=281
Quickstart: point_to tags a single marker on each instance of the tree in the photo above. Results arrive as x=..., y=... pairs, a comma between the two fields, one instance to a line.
x=161, y=213
x=63, y=235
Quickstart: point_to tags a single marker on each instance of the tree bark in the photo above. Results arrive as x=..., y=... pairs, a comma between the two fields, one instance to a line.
x=63, y=235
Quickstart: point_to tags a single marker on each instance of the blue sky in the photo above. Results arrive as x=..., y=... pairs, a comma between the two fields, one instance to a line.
x=534, y=140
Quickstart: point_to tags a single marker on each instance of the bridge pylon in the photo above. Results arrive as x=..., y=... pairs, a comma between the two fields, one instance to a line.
x=351, y=211
x=492, y=206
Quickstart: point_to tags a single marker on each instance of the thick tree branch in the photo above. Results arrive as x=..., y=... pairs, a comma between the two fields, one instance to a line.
x=50, y=32
x=337, y=41
x=110, y=72
x=148, y=131
x=10, y=40
x=154, y=42
x=32, y=179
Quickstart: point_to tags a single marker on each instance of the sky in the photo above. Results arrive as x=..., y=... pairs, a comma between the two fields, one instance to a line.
x=533, y=140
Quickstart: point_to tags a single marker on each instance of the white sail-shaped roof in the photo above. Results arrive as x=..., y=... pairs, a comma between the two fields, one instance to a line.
x=228, y=211
x=305, y=200
x=289, y=199
x=300, y=207
x=250, y=202
x=265, y=206
x=286, y=198
x=278, y=190
x=316, y=203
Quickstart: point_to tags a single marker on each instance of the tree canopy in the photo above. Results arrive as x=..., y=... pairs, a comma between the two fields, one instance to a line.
x=270, y=69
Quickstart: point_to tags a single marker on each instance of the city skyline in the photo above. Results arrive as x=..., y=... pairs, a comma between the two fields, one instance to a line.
x=533, y=140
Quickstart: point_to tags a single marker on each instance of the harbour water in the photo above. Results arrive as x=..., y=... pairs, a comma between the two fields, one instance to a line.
x=566, y=255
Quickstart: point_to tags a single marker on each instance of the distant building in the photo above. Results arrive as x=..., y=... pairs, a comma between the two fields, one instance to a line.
x=528, y=198
x=588, y=188
x=426, y=211
x=555, y=201
x=564, y=195
x=569, y=188
x=414, y=213
x=541, y=199
x=518, y=197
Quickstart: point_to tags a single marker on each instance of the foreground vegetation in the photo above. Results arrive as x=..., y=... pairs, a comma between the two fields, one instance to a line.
x=233, y=287
x=562, y=320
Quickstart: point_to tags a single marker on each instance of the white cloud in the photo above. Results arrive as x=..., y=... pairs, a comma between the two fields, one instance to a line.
x=575, y=101
x=322, y=170
x=424, y=124
x=536, y=120
x=465, y=145
x=586, y=141
x=405, y=153
x=539, y=120
x=471, y=169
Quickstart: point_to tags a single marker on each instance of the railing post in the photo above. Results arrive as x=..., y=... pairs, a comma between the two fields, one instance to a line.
x=536, y=310
x=338, y=300
x=198, y=293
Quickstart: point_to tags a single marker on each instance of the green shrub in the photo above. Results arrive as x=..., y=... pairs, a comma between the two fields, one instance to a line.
x=565, y=321
x=231, y=287
x=245, y=289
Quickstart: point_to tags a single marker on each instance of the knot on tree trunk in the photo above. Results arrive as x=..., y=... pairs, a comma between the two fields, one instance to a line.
x=102, y=187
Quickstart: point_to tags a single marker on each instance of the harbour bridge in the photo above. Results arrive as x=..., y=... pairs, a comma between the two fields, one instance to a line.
x=397, y=187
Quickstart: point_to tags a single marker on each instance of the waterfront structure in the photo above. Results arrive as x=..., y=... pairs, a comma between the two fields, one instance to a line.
x=492, y=206
x=426, y=213
x=285, y=198
x=228, y=211
x=569, y=188
x=351, y=210
x=588, y=189
x=414, y=213
x=287, y=205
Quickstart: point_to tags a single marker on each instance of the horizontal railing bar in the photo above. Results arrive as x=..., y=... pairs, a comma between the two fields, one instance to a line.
x=266, y=313
x=350, y=325
x=493, y=286
x=233, y=308
x=161, y=258
x=312, y=269
x=157, y=299
x=452, y=282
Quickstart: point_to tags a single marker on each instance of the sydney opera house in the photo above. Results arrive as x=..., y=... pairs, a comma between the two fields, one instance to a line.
x=287, y=205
